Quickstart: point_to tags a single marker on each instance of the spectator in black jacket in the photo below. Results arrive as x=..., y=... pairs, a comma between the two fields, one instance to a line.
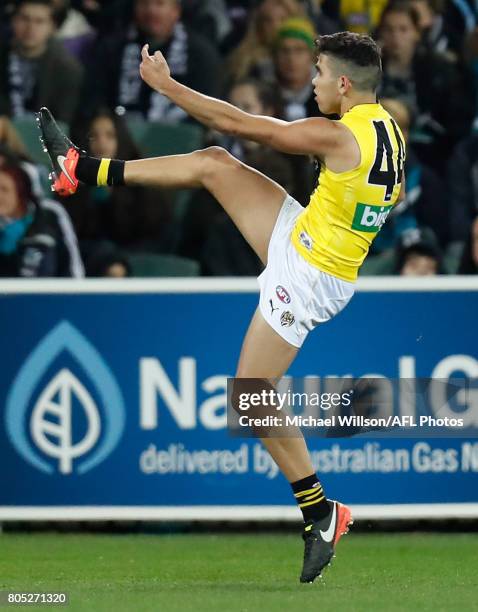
x=463, y=187
x=431, y=86
x=134, y=218
x=36, y=238
x=35, y=70
x=114, y=80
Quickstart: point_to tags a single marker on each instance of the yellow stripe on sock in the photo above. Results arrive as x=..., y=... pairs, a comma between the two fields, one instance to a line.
x=310, y=497
x=316, y=501
x=308, y=492
x=102, y=178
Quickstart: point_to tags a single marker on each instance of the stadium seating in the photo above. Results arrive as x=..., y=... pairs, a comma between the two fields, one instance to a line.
x=165, y=139
x=148, y=265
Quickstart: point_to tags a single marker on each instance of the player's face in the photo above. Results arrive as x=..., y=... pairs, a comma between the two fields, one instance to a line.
x=157, y=18
x=32, y=26
x=103, y=139
x=399, y=36
x=326, y=87
x=9, y=202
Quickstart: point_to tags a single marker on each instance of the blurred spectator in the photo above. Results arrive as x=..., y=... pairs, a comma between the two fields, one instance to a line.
x=323, y=24
x=261, y=99
x=463, y=187
x=105, y=15
x=294, y=58
x=253, y=57
x=114, y=80
x=209, y=18
x=471, y=59
x=437, y=34
x=131, y=217
x=469, y=261
x=418, y=255
x=426, y=202
x=36, y=238
x=112, y=264
x=35, y=70
x=360, y=16
x=251, y=96
x=431, y=86
x=12, y=150
x=74, y=31
x=460, y=15
x=10, y=138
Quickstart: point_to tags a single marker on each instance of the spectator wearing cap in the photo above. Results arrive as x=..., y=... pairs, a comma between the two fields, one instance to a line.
x=294, y=58
x=35, y=70
x=114, y=80
x=36, y=238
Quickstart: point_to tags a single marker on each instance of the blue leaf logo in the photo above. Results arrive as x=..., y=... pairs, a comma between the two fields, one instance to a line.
x=52, y=416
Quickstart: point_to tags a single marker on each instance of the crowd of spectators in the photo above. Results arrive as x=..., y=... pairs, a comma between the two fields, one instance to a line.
x=81, y=57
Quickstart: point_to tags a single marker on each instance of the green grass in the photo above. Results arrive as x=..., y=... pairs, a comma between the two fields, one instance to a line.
x=242, y=572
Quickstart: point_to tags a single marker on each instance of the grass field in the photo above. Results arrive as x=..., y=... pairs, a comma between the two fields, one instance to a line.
x=242, y=572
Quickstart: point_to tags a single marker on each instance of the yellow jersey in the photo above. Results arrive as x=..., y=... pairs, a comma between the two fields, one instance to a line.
x=347, y=209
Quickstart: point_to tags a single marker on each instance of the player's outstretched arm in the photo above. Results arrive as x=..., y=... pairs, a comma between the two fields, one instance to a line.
x=315, y=136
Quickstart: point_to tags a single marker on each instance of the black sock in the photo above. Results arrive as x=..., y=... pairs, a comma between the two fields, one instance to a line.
x=93, y=171
x=311, y=499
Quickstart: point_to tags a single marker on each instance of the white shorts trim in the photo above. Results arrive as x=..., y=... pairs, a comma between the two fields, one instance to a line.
x=294, y=295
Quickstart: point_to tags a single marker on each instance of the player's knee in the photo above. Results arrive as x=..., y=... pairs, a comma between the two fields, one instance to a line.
x=215, y=159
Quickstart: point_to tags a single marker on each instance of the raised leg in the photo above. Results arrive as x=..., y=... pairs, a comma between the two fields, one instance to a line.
x=252, y=200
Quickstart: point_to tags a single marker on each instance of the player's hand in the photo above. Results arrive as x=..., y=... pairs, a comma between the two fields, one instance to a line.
x=154, y=69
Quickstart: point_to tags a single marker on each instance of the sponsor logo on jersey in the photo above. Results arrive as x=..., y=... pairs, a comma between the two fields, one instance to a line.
x=370, y=218
x=282, y=294
x=287, y=319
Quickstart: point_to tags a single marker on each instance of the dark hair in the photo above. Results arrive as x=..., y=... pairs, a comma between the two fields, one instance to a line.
x=127, y=148
x=20, y=177
x=360, y=52
x=19, y=3
x=403, y=7
x=99, y=264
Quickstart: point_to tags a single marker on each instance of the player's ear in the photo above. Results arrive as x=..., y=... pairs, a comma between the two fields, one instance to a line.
x=344, y=84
